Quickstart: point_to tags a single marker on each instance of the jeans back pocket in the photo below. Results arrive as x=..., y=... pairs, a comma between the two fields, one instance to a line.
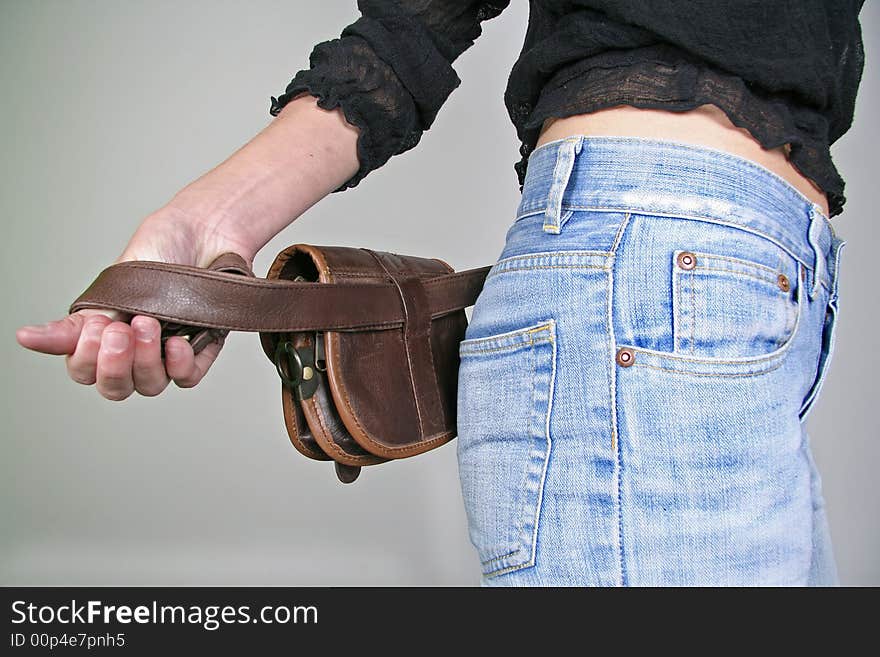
x=505, y=392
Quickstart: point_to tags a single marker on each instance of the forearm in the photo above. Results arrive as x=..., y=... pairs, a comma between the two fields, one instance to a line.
x=300, y=157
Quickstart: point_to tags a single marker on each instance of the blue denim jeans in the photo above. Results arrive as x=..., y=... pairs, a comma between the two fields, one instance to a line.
x=637, y=370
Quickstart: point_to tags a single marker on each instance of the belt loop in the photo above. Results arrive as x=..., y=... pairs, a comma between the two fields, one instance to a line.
x=565, y=156
x=817, y=225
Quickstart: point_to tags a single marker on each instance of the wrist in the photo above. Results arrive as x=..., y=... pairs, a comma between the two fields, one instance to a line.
x=242, y=201
x=171, y=234
x=210, y=227
x=246, y=200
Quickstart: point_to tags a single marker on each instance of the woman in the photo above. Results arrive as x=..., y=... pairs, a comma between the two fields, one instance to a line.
x=639, y=364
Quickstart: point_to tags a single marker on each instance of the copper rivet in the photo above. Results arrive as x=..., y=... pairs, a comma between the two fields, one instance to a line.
x=803, y=273
x=687, y=260
x=625, y=357
x=784, y=284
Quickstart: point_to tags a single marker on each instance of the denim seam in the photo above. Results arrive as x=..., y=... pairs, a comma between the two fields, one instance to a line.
x=791, y=321
x=540, y=206
x=551, y=327
x=676, y=307
x=619, y=234
x=742, y=261
x=537, y=515
x=546, y=254
x=808, y=402
x=693, y=312
x=706, y=218
x=548, y=440
x=833, y=307
x=530, y=560
x=509, y=569
x=615, y=438
x=711, y=374
x=500, y=557
x=679, y=325
x=515, y=334
x=529, y=342
x=739, y=273
x=729, y=224
x=509, y=269
x=710, y=361
x=489, y=572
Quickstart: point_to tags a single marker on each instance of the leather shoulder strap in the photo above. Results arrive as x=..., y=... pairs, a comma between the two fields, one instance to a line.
x=221, y=298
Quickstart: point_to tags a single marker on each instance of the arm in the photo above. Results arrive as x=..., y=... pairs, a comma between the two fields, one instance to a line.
x=237, y=206
x=294, y=162
x=366, y=96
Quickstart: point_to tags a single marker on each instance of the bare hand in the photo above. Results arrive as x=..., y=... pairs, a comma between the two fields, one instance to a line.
x=120, y=357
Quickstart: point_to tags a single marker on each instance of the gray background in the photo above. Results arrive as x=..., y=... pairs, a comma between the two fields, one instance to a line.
x=108, y=109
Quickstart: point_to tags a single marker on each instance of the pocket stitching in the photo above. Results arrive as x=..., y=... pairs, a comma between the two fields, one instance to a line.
x=738, y=273
x=548, y=441
x=731, y=375
x=777, y=355
x=529, y=342
x=516, y=335
x=526, y=551
x=741, y=261
x=519, y=521
x=679, y=276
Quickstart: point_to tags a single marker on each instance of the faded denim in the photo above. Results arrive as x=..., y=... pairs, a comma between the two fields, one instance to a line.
x=689, y=463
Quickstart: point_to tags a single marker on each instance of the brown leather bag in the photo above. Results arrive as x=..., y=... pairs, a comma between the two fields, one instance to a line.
x=365, y=342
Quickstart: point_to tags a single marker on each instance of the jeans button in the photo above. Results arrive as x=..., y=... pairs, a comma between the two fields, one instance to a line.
x=625, y=357
x=687, y=260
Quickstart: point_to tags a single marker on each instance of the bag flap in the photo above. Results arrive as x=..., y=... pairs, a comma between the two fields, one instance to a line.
x=373, y=375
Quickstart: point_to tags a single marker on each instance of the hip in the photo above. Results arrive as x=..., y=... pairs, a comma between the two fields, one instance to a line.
x=637, y=369
x=687, y=259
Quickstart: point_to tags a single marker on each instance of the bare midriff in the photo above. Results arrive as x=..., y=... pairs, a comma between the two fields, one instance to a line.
x=706, y=125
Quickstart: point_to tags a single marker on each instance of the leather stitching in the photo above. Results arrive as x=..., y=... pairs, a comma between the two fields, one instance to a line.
x=407, y=450
x=294, y=436
x=427, y=336
x=331, y=446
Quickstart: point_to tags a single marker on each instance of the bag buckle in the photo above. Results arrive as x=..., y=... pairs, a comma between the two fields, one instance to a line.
x=298, y=367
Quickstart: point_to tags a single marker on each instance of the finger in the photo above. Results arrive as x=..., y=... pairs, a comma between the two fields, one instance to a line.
x=206, y=357
x=180, y=361
x=115, y=359
x=82, y=363
x=59, y=337
x=148, y=371
x=185, y=369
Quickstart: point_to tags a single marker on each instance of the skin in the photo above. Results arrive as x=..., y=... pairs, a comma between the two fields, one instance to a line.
x=299, y=158
x=706, y=125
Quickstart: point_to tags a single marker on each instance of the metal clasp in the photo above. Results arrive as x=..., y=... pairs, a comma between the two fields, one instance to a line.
x=302, y=365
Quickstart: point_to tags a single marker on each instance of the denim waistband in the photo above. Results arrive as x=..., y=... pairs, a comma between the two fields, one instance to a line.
x=634, y=174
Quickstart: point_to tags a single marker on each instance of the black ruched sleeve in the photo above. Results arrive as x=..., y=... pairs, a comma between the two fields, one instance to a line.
x=391, y=70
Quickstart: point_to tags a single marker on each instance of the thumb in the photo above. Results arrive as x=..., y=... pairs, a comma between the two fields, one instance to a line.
x=58, y=337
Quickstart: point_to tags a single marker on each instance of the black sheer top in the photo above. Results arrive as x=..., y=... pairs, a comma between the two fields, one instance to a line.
x=785, y=70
